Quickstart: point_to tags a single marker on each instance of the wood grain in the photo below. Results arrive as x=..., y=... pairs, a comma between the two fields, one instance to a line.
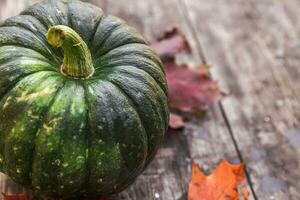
x=250, y=43
x=253, y=46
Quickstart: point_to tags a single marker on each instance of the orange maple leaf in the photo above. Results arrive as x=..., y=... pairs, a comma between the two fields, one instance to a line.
x=221, y=185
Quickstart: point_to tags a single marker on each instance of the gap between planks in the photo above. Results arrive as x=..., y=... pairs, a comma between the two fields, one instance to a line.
x=254, y=46
x=200, y=49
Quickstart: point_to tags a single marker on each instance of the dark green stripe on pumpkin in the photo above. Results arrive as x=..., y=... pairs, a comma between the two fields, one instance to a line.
x=119, y=145
x=112, y=34
x=85, y=22
x=106, y=25
x=33, y=25
x=18, y=62
x=20, y=118
x=49, y=13
x=18, y=36
x=149, y=100
x=8, y=53
x=137, y=55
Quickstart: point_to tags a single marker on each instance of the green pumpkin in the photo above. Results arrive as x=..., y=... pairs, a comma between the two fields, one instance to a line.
x=83, y=100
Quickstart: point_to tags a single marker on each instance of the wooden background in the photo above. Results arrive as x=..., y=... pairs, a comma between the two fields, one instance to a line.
x=254, y=48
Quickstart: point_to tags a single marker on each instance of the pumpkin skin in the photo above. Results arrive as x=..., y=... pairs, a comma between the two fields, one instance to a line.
x=66, y=137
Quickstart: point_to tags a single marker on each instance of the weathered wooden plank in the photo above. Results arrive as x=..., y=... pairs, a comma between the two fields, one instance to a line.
x=206, y=141
x=221, y=134
x=250, y=43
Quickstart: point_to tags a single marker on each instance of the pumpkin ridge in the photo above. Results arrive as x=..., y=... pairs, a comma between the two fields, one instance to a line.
x=136, y=67
x=89, y=43
x=69, y=17
x=9, y=23
x=60, y=138
x=46, y=24
x=39, y=33
x=23, y=46
x=27, y=180
x=113, y=28
x=53, y=5
x=133, y=74
x=156, y=111
x=93, y=130
x=22, y=53
x=132, y=104
x=148, y=141
x=14, y=84
x=43, y=114
x=122, y=45
x=156, y=60
x=42, y=43
x=8, y=60
x=31, y=14
x=88, y=139
x=127, y=54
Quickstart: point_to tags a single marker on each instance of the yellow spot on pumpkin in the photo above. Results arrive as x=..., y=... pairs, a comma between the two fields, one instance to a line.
x=86, y=152
x=6, y=102
x=100, y=180
x=65, y=164
x=15, y=148
x=56, y=162
x=55, y=120
x=35, y=95
x=48, y=128
x=29, y=113
x=80, y=158
x=78, y=44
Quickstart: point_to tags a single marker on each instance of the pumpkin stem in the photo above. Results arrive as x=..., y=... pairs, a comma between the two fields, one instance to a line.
x=77, y=61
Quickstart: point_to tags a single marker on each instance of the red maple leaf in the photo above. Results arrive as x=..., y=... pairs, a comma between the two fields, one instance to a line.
x=189, y=91
x=176, y=121
x=170, y=44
